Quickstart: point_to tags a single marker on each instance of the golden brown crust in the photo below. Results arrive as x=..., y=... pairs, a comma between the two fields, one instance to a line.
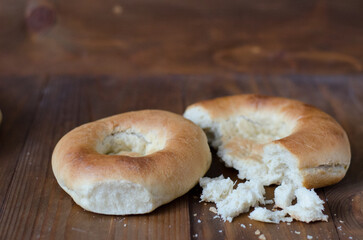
x=172, y=171
x=318, y=142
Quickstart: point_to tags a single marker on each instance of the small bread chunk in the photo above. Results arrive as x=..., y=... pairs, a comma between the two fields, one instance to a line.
x=265, y=215
x=308, y=208
x=215, y=189
x=284, y=194
x=246, y=195
x=232, y=203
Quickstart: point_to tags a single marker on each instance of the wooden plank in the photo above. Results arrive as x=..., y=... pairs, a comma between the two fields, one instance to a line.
x=18, y=102
x=345, y=198
x=32, y=202
x=114, y=95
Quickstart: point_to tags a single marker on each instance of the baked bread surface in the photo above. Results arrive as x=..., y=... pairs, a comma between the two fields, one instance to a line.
x=131, y=163
x=248, y=129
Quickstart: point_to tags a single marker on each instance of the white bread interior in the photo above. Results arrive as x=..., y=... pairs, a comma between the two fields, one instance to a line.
x=216, y=189
x=231, y=202
x=262, y=214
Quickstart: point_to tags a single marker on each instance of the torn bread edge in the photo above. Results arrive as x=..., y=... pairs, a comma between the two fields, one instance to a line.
x=261, y=165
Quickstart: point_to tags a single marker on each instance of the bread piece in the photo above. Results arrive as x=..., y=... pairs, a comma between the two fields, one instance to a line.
x=309, y=206
x=274, y=139
x=241, y=199
x=215, y=189
x=265, y=215
x=284, y=194
x=230, y=203
x=131, y=163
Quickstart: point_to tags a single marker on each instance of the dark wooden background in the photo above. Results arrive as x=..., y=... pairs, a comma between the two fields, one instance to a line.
x=64, y=63
x=180, y=37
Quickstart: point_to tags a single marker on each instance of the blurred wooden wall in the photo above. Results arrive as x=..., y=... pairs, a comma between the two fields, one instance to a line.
x=148, y=37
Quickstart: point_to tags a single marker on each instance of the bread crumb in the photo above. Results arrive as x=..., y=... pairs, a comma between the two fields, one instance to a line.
x=125, y=225
x=309, y=237
x=194, y=214
x=284, y=195
x=288, y=223
x=350, y=237
x=220, y=231
x=242, y=225
x=309, y=207
x=265, y=215
x=297, y=232
x=213, y=210
x=262, y=237
x=270, y=201
x=341, y=221
x=215, y=189
x=339, y=228
x=195, y=235
x=257, y=232
x=199, y=221
x=216, y=216
x=250, y=225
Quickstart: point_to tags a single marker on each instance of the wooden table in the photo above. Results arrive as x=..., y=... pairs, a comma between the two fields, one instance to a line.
x=64, y=63
x=38, y=111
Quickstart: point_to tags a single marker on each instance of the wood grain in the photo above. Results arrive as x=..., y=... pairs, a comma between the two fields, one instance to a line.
x=34, y=206
x=188, y=37
x=18, y=109
x=345, y=198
